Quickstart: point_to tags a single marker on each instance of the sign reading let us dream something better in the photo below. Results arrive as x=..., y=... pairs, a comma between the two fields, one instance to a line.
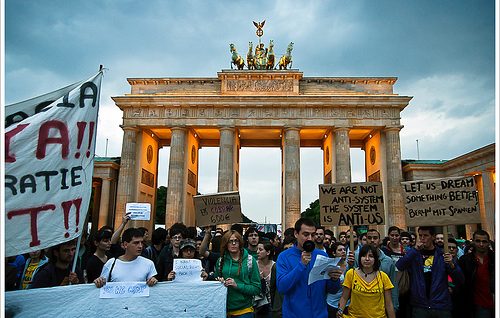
x=441, y=202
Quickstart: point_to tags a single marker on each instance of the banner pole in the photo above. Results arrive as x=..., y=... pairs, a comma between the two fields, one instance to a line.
x=445, y=238
x=351, y=238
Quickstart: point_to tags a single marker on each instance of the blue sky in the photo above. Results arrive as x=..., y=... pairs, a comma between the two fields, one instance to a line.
x=443, y=53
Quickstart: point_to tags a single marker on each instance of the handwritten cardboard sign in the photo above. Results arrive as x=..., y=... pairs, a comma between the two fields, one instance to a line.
x=124, y=290
x=220, y=208
x=351, y=204
x=139, y=211
x=187, y=270
x=437, y=202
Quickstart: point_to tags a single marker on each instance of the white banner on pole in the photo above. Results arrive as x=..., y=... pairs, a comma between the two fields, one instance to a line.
x=202, y=299
x=49, y=161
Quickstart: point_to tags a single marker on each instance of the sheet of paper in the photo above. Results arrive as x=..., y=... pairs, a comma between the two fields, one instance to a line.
x=322, y=265
x=139, y=211
x=124, y=290
x=187, y=270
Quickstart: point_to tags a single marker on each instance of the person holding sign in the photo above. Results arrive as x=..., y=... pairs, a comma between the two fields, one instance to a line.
x=368, y=288
x=292, y=273
x=188, y=251
x=238, y=271
x=429, y=268
x=130, y=267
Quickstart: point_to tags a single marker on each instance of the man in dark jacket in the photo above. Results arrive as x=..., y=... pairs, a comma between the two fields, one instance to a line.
x=479, y=270
x=58, y=272
x=429, y=268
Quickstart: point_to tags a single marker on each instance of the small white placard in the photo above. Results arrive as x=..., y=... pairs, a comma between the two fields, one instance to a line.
x=187, y=270
x=321, y=267
x=139, y=211
x=124, y=290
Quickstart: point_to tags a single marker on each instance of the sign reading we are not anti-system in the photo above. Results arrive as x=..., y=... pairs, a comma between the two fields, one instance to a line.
x=350, y=204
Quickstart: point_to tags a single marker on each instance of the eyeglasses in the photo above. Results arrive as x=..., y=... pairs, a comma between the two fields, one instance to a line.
x=177, y=237
x=253, y=235
x=234, y=242
x=481, y=241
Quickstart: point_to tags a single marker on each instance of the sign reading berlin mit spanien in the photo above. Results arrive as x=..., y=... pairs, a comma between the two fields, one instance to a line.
x=49, y=161
x=219, y=208
x=437, y=202
x=350, y=204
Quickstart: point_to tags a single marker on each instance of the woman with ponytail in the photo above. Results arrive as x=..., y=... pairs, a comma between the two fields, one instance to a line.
x=238, y=271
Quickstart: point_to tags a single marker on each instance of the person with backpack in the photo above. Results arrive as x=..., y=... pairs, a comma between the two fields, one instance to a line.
x=238, y=271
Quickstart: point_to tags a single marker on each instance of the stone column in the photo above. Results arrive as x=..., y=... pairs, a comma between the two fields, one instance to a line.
x=486, y=190
x=342, y=155
x=342, y=162
x=104, y=204
x=176, y=188
x=394, y=195
x=226, y=180
x=291, y=177
x=127, y=183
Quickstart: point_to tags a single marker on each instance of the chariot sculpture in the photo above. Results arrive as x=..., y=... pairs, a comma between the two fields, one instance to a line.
x=263, y=58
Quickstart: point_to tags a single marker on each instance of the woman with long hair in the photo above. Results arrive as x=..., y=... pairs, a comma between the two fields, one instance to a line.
x=338, y=250
x=238, y=271
x=262, y=303
x=368, y=288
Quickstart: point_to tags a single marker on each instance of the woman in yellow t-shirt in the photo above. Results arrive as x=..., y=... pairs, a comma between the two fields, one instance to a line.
x=368, y=288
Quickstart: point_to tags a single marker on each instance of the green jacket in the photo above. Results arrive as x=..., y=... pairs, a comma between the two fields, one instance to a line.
x=248, y=284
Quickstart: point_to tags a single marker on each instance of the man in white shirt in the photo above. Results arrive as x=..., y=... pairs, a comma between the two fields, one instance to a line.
x=130, y=267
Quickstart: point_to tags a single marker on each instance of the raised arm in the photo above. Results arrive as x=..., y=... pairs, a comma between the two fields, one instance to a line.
x=116, y=235
x=204, y=244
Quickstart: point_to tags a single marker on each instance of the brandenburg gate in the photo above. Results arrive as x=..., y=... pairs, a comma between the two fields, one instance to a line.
x=258, y=108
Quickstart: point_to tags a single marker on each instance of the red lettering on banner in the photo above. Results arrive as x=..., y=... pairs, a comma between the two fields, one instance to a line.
x=8, y=137
x=66, y=205
x=44, y=139
x=33, y=212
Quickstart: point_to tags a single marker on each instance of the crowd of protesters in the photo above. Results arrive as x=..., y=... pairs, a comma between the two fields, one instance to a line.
x=399, y=274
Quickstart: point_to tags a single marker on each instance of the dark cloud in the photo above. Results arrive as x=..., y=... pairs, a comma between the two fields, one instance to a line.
x=443, y=53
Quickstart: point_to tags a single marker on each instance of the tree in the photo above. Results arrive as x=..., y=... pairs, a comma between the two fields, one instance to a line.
x=312, y=212
x=161, y=204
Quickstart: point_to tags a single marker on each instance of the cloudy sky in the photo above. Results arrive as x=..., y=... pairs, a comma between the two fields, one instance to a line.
x=443, y=53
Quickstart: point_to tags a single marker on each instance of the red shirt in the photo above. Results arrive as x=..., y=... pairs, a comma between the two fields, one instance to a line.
x=482, y=294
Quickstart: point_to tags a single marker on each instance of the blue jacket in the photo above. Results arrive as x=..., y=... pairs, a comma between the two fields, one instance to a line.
x=300, y=299
x=440, y=296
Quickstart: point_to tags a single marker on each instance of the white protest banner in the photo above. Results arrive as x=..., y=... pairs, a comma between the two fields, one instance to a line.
x=187, y=270
x=202, y=299
x=220, y=208
x=444, y=201
x=139, y=211
x=360, y=203
x=49, y=159
x=124, y=290
x=17, y=112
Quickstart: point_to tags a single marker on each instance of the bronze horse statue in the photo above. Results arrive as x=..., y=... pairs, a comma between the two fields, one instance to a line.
x=250, y=57
x=287, y=58
x=236, y=59
x=270, y=56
